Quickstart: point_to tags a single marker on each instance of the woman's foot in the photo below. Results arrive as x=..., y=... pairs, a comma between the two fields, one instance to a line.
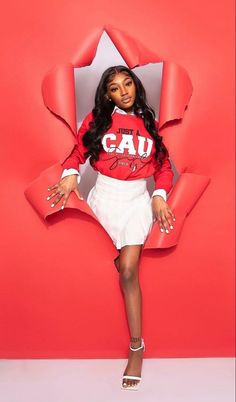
x=134, y=365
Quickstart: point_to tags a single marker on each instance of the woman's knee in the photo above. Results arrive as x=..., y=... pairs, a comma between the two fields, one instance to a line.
x=128, y=273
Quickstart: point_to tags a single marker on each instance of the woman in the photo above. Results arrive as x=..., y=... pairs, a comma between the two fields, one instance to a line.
x=120, y=136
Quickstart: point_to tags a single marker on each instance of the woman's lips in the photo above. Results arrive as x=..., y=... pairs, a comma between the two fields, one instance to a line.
x=126, y=100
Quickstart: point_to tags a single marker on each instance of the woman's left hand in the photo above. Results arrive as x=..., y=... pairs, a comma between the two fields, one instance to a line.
x=163, y=213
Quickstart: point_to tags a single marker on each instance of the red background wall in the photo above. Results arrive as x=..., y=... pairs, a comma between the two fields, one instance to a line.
x=59, y=290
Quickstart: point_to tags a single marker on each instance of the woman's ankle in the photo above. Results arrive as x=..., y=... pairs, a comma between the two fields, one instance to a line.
x=135, y=342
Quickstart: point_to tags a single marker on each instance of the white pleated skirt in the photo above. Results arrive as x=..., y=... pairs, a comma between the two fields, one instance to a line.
x=123, y=207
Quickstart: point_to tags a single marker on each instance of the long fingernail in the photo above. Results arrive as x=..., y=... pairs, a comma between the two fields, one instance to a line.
x=52, y=205
x=48, y=189
x=167, y=231
x=48, y=198
x=62, y=207
x=171, y=227
x=162, y=230
x=81, y=198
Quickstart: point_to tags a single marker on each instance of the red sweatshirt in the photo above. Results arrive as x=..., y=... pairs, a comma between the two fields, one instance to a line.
x=128, y=151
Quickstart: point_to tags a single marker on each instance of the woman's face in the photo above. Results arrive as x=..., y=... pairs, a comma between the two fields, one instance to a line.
x=122, y=91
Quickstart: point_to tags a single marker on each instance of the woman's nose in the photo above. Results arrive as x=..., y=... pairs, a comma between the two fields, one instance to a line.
x=123, y=90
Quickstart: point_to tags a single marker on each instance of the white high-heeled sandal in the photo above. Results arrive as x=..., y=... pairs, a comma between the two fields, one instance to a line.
x=133, y=377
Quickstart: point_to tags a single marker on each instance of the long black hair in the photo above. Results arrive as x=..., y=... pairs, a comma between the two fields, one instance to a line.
x=102, y=119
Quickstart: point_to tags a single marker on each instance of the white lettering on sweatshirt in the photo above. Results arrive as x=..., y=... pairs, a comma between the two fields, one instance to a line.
x=127, y=143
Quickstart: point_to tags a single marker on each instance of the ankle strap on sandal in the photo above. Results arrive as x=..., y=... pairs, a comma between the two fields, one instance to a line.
x=140, y=347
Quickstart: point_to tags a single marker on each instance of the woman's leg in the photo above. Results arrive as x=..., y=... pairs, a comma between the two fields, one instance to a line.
x=127, y=264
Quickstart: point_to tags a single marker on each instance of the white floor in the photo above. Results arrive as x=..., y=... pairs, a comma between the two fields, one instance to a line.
x=96, y=380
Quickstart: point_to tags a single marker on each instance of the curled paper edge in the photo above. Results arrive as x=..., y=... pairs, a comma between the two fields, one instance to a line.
x=184, y=195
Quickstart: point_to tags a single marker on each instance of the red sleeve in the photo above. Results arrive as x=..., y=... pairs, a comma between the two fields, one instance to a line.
x=77, y=155
x=163, y=176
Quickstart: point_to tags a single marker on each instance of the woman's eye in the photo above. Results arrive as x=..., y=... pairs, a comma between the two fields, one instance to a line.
x=128, y=83
x=113, y=89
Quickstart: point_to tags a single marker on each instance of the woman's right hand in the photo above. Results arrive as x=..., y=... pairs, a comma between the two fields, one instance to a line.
x=63, y=189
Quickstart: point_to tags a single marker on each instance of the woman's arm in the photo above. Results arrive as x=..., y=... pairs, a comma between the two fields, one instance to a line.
x=163, y=183
x=62, y=190
x=163, y=177
x=71, y=164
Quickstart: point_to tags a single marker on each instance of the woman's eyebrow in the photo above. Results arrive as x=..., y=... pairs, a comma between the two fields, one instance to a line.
x=113, y=83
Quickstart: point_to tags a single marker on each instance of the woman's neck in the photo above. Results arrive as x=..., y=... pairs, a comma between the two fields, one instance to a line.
x=130, y=110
